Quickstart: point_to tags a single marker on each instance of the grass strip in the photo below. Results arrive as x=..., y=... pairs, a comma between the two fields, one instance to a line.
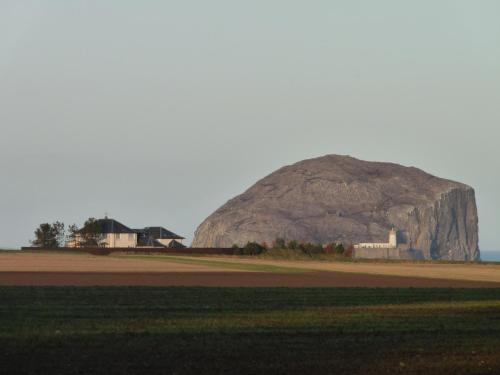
x=224, y=264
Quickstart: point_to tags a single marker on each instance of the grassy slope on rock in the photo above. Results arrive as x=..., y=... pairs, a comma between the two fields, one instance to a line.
x=135, y=330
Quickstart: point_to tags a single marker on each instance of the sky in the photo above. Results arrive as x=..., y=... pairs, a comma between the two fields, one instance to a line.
x=158, y=112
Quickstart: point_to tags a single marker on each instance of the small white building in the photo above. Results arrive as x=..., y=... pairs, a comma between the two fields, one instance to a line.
x=392, y=244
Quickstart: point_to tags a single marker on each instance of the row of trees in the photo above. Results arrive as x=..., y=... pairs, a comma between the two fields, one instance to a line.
x=254, y=248
x=50, y=236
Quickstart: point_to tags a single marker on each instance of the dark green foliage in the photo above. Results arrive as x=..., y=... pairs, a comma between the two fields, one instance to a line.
x=252, y=248
x=237, y=250
x=339, y=249
x=334, y=248
x=180, y=330
x=307, y=248
x=90, y=235
x=49, y=236
x=279, y=243
x=310, y=248
x=296, y=248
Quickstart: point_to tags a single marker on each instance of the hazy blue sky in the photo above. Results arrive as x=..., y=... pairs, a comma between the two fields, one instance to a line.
x=159, y=111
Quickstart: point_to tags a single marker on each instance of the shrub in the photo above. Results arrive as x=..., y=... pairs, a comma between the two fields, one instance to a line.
x=236, y=249
x=279, y=243
x=329, y=248
x=310, y=248
x=349, y=252
x=252, y=248
x=293, y=245
x=339, y=249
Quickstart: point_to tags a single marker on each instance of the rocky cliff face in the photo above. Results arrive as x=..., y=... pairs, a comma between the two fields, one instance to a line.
x=342, y=199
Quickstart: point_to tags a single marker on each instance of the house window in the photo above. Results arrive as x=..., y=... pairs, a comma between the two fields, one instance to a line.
x=117, y=236
x=130, y=236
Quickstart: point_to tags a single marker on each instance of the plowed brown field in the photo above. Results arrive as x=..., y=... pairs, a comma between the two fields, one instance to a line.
x=29, y=268
x=243, y=279
x=74, y=262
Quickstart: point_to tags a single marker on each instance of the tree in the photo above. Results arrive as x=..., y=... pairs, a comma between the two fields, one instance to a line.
x=90, y=235
x=253, y=248
x=279, y=243
x=311, y=248
x=59, y=232
x=49, y=235
x=72, y=236
x=293, y=245
x=339, y=249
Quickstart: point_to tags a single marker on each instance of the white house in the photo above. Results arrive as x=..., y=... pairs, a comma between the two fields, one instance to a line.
x=112, y=233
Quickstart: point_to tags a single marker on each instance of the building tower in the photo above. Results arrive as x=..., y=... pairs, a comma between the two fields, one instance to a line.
x=393, y=238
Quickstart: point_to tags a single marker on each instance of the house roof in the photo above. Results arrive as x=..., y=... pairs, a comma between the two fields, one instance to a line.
x=176, y=245
x=145, y=240
x=107, y=225
x=160, y=233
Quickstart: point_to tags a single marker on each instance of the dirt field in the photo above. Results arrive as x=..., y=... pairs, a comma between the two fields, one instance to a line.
x=243, y=279
x=29, y=268
x=72, y=262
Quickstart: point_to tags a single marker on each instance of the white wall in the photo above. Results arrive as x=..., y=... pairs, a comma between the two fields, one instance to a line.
x=121, y=240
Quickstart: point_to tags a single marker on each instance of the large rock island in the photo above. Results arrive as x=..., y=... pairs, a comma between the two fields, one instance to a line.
x=342, y=199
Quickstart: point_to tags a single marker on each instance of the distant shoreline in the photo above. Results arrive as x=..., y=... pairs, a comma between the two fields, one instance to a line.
x=490, y=256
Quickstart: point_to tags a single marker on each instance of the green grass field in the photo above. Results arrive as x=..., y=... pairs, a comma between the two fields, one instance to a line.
x=245, y=266
x=181, y=330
